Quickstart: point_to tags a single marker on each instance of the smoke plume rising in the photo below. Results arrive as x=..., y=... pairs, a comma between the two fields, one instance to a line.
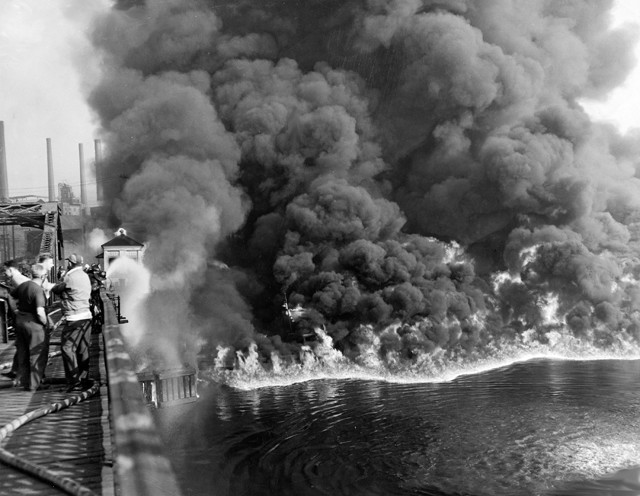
x=415, y=176
x=96, y=238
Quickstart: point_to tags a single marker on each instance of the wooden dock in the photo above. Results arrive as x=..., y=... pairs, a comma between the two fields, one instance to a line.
x=105, y=445
x=74, y=443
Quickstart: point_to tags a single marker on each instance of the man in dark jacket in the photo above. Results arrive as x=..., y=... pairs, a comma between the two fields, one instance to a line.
x=97, y=283
x=32, y=330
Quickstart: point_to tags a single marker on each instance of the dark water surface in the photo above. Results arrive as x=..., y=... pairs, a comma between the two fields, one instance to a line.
x=538, y=427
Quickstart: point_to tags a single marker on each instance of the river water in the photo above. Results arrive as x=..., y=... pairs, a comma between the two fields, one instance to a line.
x=539, y=427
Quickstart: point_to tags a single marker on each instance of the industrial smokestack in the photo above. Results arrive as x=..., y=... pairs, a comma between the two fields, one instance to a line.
x=4, y=185
x=83, y=183
x=99, y=185
x=52, y=189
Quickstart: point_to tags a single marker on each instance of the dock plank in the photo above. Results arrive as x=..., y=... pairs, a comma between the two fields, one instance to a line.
x=74, y=442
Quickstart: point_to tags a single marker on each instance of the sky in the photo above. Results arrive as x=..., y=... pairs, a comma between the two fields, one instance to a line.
x=621, y=106
x=43, y=52
x=46, y=66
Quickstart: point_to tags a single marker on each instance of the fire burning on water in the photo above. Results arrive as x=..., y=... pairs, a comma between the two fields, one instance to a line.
x=322, y=361
x=417, y=180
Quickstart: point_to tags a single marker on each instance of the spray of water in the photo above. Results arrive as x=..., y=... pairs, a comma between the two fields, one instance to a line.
x=130, y=281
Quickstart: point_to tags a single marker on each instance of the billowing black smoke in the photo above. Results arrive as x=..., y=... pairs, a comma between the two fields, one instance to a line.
x=372, y=162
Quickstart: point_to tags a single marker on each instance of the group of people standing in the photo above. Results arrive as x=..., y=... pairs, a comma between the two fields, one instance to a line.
x=29, y=301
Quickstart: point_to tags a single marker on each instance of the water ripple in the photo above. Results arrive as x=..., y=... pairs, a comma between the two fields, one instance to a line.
x=528, y=429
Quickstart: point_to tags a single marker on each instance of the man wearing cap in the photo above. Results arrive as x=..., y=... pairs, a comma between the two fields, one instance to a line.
x=74, y=292
x=32, y=330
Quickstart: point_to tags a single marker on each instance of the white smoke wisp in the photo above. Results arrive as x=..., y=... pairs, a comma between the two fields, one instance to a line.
x=96, y=238
x=155, y=317
x=130, y=281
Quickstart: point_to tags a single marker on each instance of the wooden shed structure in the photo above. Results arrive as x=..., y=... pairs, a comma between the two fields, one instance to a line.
x=121, y=246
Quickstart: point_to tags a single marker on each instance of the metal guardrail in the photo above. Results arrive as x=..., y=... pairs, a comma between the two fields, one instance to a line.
x=5, y=326
x=141, y=468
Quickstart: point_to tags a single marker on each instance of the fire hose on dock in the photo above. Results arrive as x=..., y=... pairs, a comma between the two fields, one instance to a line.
x=63, y=483
x=140, y=466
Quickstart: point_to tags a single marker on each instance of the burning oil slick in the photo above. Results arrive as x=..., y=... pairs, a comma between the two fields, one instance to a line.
x=418, y=176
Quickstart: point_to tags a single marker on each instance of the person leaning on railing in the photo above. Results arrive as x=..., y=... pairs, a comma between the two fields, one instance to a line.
x=75, y=292
x=32, y=330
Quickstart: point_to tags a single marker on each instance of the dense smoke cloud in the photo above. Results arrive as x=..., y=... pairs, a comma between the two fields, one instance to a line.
x=414, y=175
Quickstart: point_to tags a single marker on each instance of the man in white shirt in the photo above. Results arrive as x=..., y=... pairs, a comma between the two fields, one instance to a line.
x=74, y=292
x=14, y=277
x=46, y=260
